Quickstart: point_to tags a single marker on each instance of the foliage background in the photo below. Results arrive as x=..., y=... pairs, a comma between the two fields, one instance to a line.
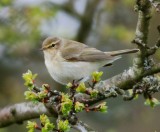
x=24, y=24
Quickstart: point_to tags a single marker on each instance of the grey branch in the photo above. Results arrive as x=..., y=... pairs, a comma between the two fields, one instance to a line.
x=86, y=20
x=153, y=49
x=68, y=8
x=20, y=112
x=126, y=79
x=24, y=111
x=82, y=127
x=156, y=4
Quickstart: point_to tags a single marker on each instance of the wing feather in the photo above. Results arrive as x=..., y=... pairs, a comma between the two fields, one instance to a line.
x=75, y=51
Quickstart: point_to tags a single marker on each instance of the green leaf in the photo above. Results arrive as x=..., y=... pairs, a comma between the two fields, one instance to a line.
x=42, y=94
x=136, y=96
x=29, y=78
x=96, y=76
x=30, y=95
x=130, y=91
x=94, y=93
x=44, y=119
x=79, y=106
x=66, y=104
x=103, y=107
x=46, y=123
x=65, y=98
x=49, y=126
x=66, y=107
x=44, y=130
x=63, y=126
x=152, y=102
x=81, y=88
x=69, y=85
x=147, y=102
x=31, y=126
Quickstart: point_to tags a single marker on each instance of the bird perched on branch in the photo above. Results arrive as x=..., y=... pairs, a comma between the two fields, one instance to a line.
x=68, y=60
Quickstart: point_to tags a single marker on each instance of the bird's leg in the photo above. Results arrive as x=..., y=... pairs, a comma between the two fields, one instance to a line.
x=73, y=88
x=75, y=84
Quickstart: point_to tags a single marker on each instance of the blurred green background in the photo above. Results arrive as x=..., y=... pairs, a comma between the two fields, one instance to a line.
x=104, y=24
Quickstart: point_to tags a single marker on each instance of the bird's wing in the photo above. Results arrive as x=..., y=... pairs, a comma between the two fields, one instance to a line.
x=75, y=51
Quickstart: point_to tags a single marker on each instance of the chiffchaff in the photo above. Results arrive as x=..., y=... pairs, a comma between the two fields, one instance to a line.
x=68, y=60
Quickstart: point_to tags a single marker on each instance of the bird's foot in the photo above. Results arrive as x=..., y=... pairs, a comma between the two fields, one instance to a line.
x=75, y=83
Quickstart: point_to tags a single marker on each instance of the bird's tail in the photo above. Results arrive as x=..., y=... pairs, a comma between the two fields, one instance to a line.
x=121, y=52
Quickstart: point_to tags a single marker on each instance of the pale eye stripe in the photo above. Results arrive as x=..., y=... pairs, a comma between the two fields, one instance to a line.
x=48, y=46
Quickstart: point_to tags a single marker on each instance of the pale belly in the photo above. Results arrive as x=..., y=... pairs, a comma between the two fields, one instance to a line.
x=65, y=72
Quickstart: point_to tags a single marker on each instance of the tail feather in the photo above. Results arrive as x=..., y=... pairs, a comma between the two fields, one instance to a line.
x=121, y=52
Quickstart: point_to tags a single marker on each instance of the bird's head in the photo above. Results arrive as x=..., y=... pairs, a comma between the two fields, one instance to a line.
x=51, y=43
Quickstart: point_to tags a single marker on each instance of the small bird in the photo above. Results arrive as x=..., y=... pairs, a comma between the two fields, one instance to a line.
x=68, y=60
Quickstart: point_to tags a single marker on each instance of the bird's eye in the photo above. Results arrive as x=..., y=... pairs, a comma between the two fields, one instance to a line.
x=52, y=45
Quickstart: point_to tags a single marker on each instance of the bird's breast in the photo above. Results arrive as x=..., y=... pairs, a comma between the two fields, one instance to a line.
x=64, y=71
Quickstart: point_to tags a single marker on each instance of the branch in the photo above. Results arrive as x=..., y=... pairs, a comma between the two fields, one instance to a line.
x=68, y=8
x=87, y=20
x=127, y=79
x=144, y=16
x=20, y=112
x=156, y=4
x=82, y=127
x=153, y=49
x=142, y=29
x=24, y=111
x=154, y=70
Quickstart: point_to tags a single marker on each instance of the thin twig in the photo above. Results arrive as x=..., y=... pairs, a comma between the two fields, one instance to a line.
x=156, y=4
x=83, y=127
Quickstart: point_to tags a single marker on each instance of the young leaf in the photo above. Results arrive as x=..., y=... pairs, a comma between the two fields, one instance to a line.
x=79, y=106
x=69, y=85
x=152, y=102
x=103, y=107
x=81, y=88
x=66, y=107
x=96, y=76
x=66, y=104
x=44, y=119
x=46, y=123
x=94, y=93
x=48, y=127
x=63, y=126
x=29, y=95
x=29, y=78
x=31, y=126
